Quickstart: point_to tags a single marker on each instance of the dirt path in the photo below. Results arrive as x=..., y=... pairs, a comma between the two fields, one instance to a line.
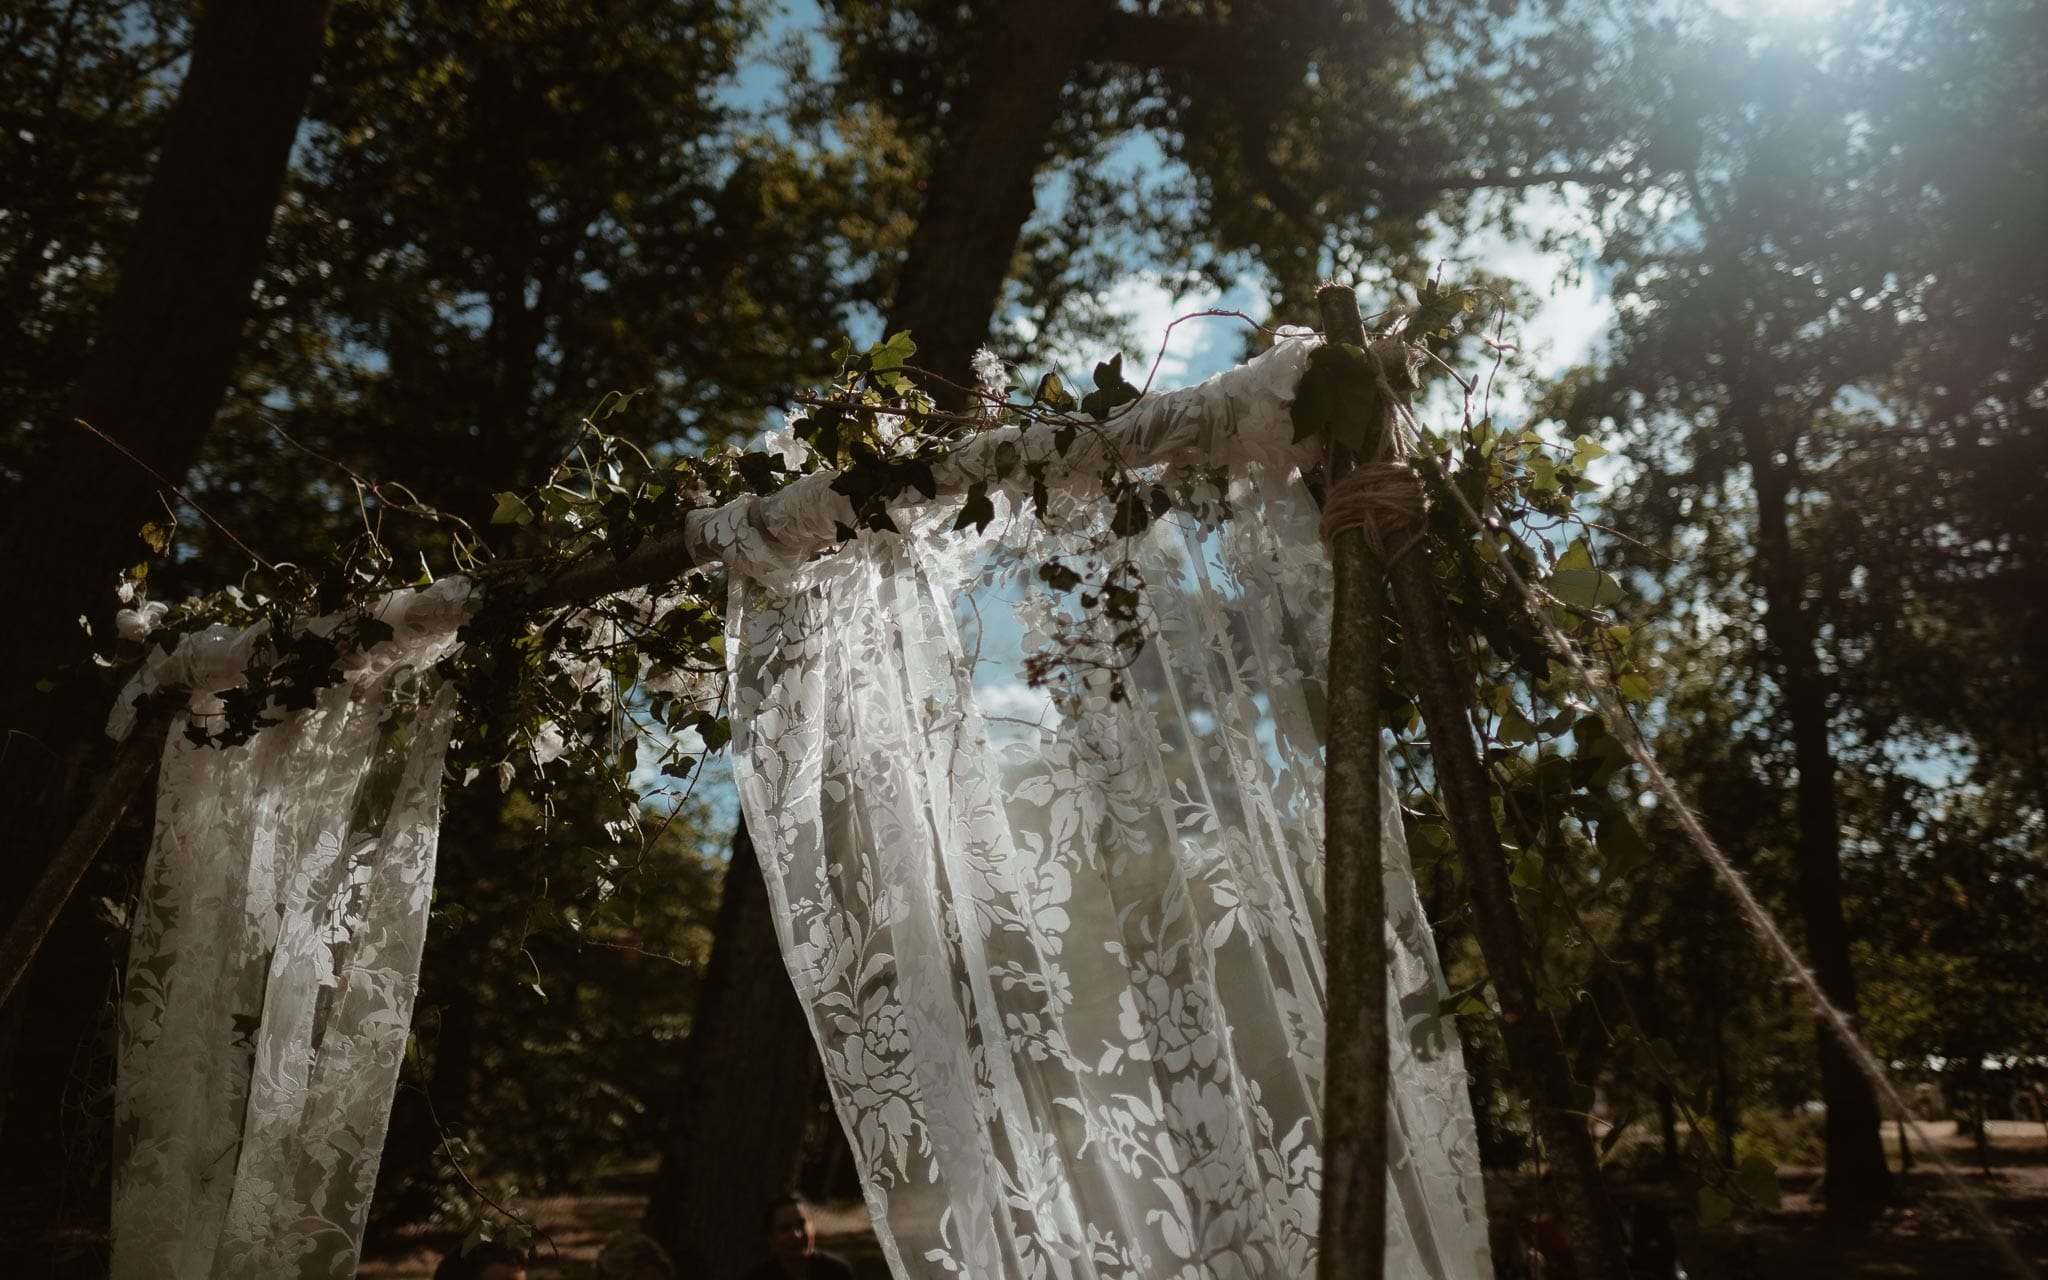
x=1927, y=1236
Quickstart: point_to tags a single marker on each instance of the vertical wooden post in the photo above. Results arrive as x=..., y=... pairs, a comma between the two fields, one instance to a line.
x=134, y=765
x=1353, y=1230
x=1536, y=1052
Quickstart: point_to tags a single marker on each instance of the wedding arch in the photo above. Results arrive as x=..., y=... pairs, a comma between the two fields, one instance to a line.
x=1058, y=730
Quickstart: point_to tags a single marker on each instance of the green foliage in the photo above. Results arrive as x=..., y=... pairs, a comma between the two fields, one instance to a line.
x=84, y=86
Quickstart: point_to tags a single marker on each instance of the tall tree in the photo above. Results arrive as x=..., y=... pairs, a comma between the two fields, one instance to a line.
x=170, y=334
x=1795, y=311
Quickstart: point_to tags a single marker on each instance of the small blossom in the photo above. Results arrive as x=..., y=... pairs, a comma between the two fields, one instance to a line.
x=136, y=624
x=989, y=372
x=785, y=445
x=548, y=743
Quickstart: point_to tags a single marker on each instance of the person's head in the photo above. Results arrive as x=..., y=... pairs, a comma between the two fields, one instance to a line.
x=788, y=1223
x=629, y=1255
x=490, y=1260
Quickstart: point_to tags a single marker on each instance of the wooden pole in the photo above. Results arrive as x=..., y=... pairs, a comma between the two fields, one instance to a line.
x=134, y=763
x=1536, y=1052
x=1353, y=1230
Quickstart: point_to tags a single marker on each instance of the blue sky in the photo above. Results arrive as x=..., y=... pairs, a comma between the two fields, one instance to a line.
x=1567, y=322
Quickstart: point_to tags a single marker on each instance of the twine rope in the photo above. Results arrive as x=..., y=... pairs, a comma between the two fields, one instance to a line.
x=1382, y=496
x=1615, y=712
x=1384, y=501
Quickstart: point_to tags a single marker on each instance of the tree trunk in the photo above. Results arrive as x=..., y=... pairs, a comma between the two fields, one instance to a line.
x=1858, y=1177
x=981, y=189
x=168, y=344
x=738, y=1133
x=1724, y=1094
x=154, y=381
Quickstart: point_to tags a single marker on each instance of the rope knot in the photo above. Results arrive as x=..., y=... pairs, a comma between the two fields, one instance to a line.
x=1385, y=501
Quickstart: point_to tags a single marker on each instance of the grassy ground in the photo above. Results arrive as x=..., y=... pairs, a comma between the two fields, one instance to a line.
x=1928, y=1235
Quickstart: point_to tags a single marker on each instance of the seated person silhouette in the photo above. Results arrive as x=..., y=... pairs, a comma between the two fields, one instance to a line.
x=793, y=1246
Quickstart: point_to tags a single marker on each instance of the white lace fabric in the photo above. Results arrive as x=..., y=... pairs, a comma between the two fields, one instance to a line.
x=1062, y=952
x=274, y=957
x=1061, y=949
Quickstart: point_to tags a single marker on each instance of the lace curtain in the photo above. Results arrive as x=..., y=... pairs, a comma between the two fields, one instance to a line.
x=1061, y=947
x=274, y=957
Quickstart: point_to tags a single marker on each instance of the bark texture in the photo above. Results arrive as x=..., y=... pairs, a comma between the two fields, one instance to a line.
x=1536, y=1054
x=1352, y=1236
x=981, y=188
x=154, y=381
x=167, y=347
x=1857, y=1179
x=741, y=1118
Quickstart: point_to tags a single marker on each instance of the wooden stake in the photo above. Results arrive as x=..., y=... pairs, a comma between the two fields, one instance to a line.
x=1353, y=1230
x=134, y=764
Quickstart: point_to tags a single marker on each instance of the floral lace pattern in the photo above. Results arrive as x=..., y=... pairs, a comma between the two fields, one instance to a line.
x=1062, y=948
x=273, y=961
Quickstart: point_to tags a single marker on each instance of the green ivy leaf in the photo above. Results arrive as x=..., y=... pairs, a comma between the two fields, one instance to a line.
x=1757, y=1178
x=511, y=509
x=1006, y=458
x=892, y=354
x=759, y=471
x=1620, y=843
x=1514, y=728
x=977, y=510
x=1579, y=583
x=1129, y=516
x=1058, y=576
x=1715, y=1208
x=1111, y=389
x=1053, y=394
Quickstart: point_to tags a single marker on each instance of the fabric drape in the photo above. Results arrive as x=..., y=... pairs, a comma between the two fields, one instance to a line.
x=274, y=957
x=1061, y=944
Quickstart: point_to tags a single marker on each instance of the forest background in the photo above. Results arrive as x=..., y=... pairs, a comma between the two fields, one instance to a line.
x=1792, y=253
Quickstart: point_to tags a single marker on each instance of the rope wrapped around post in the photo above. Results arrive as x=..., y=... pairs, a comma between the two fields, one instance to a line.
x=1385, y=501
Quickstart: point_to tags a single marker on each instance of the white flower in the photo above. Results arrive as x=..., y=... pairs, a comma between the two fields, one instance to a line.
x=784, y=444
x=136, y=624
x=891, y=429
x=548, y=743
x=989, y=372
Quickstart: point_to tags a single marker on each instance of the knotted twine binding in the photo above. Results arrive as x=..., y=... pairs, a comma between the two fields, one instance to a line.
x=1382, y=499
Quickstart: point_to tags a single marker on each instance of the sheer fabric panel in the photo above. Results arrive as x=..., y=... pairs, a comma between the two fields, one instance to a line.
x=1062, y=948
x=273, y=961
